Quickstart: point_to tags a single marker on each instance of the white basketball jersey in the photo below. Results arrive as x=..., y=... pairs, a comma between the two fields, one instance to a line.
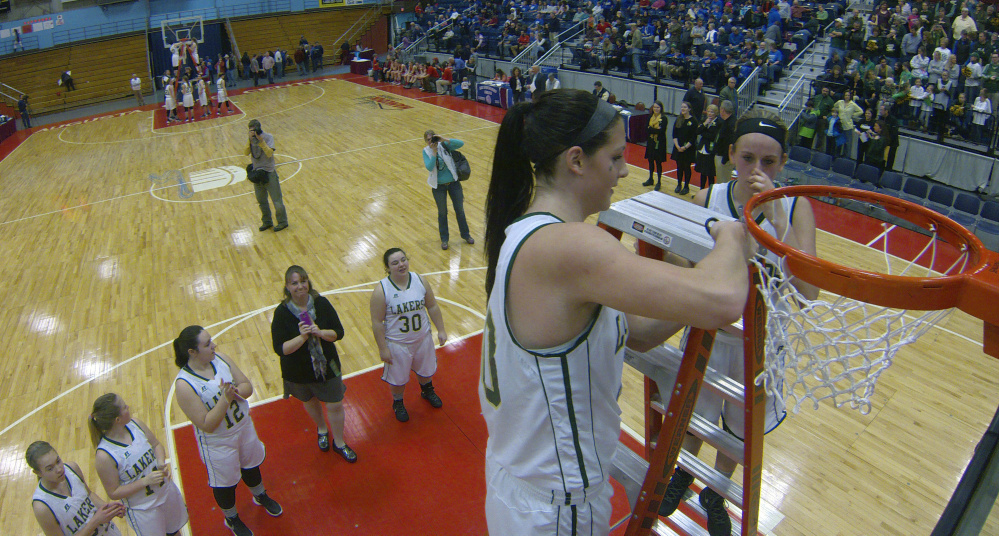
x=552, y=414
x=406, y=318
x=134, y=462
x=721, y=200
x=74, y=511
x=220, y=84
x=210, y=393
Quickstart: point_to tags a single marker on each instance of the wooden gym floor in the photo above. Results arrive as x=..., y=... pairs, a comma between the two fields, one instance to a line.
x=109, y=257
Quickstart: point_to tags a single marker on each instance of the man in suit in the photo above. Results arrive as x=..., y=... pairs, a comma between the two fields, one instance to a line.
x=599, y=91
x=537, y=83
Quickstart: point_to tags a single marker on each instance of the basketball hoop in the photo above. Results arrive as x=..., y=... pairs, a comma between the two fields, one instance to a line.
x=836, y=346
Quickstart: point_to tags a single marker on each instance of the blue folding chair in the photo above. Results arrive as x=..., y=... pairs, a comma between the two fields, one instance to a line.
x=797, y=159
x=842, y=171
x=966, y=209
x=820, y=165
x=940, y=199
x=915, y=190
x=987, y=228
x=890, y=183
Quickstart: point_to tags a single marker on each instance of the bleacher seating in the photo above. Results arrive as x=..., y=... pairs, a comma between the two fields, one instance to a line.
x=97, y=75
x=319, y=27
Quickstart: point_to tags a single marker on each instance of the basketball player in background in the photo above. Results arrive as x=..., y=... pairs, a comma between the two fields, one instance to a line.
x=565, y=298
x=402, y=306
x=133, y=467
x=186, y=90
x=63, y=503
x=170, y=99
x=759, y=154
x=206, y=105
x=212, y=393
x=222, y=95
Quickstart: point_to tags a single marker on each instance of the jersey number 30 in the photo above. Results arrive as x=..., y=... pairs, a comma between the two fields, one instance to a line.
x=414, y=323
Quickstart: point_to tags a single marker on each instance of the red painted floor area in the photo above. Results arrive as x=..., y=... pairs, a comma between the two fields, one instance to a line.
x=425, y=476
x=197, y=115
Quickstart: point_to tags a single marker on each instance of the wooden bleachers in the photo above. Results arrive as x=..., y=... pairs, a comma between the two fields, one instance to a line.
x=97, y=75
x=323, y=27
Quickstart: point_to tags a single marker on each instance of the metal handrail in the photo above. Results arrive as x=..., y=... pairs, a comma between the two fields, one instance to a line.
x=14, y=89
x=577, y=29
x=524, y=57
x=548, y=58
x=232, y=38
x=794, y=103
x=749, y=91
x=361, y=21
x=790, y=93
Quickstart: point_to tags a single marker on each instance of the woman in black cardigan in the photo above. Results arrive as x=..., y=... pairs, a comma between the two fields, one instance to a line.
x=656, y=145
x=303, y=331
x=684, y=153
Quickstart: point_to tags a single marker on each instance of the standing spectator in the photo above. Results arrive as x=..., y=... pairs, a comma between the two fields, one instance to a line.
x=317, y=57
x=982, y=111
x=848, y=112
x=63, y=499
x=300, y=60
x=212, y=393
x=132, y=465
x=517, y=85
x=990, y=78
x=877, y=147
x=268, y=66
x=402, y=306
x=808, y=124
x=726, y=136
x=279, y=62
x=656, y=147
x=22, y=109
x=260, y=149
x=232, y=72
x=890, y=132
x=136, y=83
x=695, y=98
x=964, y=23
x=471, y=78
x=303, y=331
x=344, y=53
x=255, y=70
x=443, y=178
x=824, y=103
x=536, y=82
x=684, y=152
x=729, y=93
x=707, y=134
x=246, y=62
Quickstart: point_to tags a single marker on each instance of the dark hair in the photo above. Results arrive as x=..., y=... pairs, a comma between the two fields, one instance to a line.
x=388, y=253
x=102, y=417
x=187, y=340
x=255, y=125
x=35, y=451
x=302, y=274
x=529, y=142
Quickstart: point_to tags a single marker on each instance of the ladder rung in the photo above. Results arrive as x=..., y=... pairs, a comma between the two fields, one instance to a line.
x=664, y=361
x=629, y=469
x=725, y=486
x=714, y=435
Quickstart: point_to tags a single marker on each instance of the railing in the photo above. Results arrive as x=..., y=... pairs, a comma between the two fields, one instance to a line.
x=359, y=25
x=749, y=91
x=28, y=42
x=555, y=57
x=527, y=56
x=232, y=38
x=422, y=45
x=793, y=104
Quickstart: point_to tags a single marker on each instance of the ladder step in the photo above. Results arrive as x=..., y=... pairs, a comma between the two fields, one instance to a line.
x=714, y=435
x=629, y=469
x=664, y=361
x=726, y=487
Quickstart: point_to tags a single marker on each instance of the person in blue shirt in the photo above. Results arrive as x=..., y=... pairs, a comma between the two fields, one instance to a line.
x=22, y=108
x=737, y=37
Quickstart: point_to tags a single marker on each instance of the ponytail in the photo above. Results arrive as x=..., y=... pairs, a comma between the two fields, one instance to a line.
x=187, y=340
x=536, y=134
x=511, y=187
x=102, y=418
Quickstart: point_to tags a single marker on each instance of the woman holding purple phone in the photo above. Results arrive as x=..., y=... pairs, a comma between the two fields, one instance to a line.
x=303, y=331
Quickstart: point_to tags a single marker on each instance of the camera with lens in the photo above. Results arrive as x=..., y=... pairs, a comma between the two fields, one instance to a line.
x=436, y=139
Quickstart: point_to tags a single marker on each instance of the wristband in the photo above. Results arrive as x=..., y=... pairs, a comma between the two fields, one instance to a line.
x=707, y=224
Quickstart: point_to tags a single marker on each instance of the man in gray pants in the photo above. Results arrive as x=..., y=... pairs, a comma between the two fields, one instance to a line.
x=260, y=149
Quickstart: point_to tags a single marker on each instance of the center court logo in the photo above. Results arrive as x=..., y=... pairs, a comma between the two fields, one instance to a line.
x=199, y=181
x=383, y=102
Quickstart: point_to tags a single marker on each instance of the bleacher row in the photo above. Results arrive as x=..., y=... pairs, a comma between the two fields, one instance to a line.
x=100, y=76
x=805, y=166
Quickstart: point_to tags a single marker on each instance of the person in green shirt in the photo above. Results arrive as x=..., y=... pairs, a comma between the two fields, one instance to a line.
x=824, y=104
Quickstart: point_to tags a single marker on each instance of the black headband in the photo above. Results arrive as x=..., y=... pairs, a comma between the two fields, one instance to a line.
x=602, y=116
x=764, y=126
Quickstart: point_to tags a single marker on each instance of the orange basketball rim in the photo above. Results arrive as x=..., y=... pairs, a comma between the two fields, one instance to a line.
x=974, y=289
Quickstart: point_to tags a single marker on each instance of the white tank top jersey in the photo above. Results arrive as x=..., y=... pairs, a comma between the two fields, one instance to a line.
x=220, y=84
x=552, y=414
x=406, y=318
x=74, y=511
x=210, y=393
x=134, y=462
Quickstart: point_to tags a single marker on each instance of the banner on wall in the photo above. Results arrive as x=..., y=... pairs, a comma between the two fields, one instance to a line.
x=336, y=3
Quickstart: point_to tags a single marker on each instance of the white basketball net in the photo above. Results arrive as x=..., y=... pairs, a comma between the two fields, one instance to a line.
x=836, y=347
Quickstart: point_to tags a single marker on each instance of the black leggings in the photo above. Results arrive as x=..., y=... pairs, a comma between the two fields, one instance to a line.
x=683, y=173
x=226, y=497
x=657, y=166
x=707, y=180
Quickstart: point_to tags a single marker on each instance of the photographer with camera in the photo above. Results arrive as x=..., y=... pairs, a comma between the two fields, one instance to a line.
x=443, y=179
x=260, y=149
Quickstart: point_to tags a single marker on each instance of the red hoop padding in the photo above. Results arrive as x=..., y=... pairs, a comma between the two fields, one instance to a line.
x=975, y=290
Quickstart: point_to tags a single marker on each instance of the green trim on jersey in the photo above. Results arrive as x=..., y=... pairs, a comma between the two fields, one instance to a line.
x=506, y=293
x=551, y=421
x=570, y=407
x=408, y=283
x=196, y=375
